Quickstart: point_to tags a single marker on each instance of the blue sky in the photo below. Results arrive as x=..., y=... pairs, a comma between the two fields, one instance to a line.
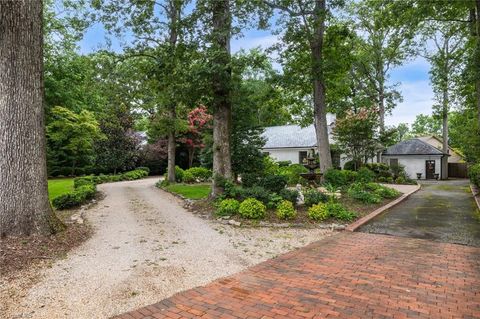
x=412, y=77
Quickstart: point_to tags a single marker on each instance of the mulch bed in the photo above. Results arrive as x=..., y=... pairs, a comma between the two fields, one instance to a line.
x=20, y=253
x=205, y=208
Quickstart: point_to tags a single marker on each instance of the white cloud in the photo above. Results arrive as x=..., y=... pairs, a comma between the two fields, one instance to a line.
x=247, y=43
x=417, y=99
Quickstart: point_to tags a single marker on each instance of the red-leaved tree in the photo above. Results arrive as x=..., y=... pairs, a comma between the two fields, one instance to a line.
x=198, y=122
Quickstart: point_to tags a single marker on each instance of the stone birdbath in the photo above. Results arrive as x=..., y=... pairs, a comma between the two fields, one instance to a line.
x=310, y=163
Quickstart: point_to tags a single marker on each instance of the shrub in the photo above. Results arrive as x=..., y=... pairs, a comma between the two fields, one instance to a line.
x=339, y=178
x=365, y=175
x=313, y=197
x=252, y=208
x=201, y=174
x=359, y=192
x=284, y=163
x=75, y=198
x=86, y=180
x=292, y=173
x=351, y=165
x=474, y=174
x=256, y=192
x=143, y=168
x=228, y=207
x=274, y=183
x=318, y=212
x=386, y=192
x=285, y=210
x=273, y=200
x=133, y=175
x=250, y=179
x=400, y=180
x=338, y=211
x=179, y=174
x=290, y=195
x=188, y=177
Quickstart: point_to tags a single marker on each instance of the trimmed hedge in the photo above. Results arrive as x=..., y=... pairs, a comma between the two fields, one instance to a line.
x=85, y=187
x=76, y=197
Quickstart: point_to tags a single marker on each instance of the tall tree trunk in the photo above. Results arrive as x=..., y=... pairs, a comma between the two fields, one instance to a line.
x=222, y=105
x=24, y=204
x=171, y=157
x=174, y=8
x=445, y=132
x=320, y=107
x=174, y=15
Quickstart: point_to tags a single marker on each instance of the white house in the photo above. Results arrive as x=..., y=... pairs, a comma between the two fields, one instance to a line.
x=418, y=157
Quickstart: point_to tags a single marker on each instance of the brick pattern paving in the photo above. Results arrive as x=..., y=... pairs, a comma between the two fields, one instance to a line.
x=349, y=275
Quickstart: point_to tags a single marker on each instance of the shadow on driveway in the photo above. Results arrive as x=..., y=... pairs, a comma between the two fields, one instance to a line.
x=442, y=210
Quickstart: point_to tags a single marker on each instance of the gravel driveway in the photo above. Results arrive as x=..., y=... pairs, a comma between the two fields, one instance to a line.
x=145, y=248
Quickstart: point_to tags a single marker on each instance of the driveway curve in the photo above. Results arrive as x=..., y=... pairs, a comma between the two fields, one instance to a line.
x=146, y=247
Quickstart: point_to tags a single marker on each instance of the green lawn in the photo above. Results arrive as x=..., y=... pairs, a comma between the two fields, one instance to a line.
x=194, y=191
x=57, y=187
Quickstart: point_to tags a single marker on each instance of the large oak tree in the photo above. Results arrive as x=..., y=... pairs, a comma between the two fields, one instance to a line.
x=24, y=204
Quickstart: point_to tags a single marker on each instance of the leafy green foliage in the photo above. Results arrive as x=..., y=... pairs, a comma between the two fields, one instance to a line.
x=70, y=139
x=338, y=211
x=289, y=194
x=313, y=197
x=80, y=194
x=365, y=175
x=252, y=208
x=201, y=174
x=292, y=172
x=371, y=193
x=228, y=207
x=330, y=209
x=274, y=183
x=339, y=178
x=286, y=210
x=318, y=212
x=474, y=174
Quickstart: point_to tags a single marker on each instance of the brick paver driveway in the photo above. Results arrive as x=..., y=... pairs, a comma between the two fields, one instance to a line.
x=349, y=275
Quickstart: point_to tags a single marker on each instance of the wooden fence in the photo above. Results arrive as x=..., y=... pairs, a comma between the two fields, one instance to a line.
x=457, y=170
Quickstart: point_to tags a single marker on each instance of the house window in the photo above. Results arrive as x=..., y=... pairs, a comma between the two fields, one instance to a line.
x=301, y=156
x=394, y=162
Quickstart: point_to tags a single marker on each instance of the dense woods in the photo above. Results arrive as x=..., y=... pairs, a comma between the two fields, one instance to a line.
x=176, y=94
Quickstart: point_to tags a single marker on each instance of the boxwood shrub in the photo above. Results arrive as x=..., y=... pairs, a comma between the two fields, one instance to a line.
x=201, y=174
x=252, y=208
x=313, y=197
x=285, y=210
x=228, y=207
x=76, y=197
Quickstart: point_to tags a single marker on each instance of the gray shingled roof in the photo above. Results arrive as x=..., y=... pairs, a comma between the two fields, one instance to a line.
x=412, y=147
x=289, y=136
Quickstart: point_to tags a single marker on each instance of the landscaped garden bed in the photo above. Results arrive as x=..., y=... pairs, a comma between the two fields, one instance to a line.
x=279, y=196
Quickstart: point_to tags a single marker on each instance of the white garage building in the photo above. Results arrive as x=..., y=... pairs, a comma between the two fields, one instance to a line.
x=417, y=156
